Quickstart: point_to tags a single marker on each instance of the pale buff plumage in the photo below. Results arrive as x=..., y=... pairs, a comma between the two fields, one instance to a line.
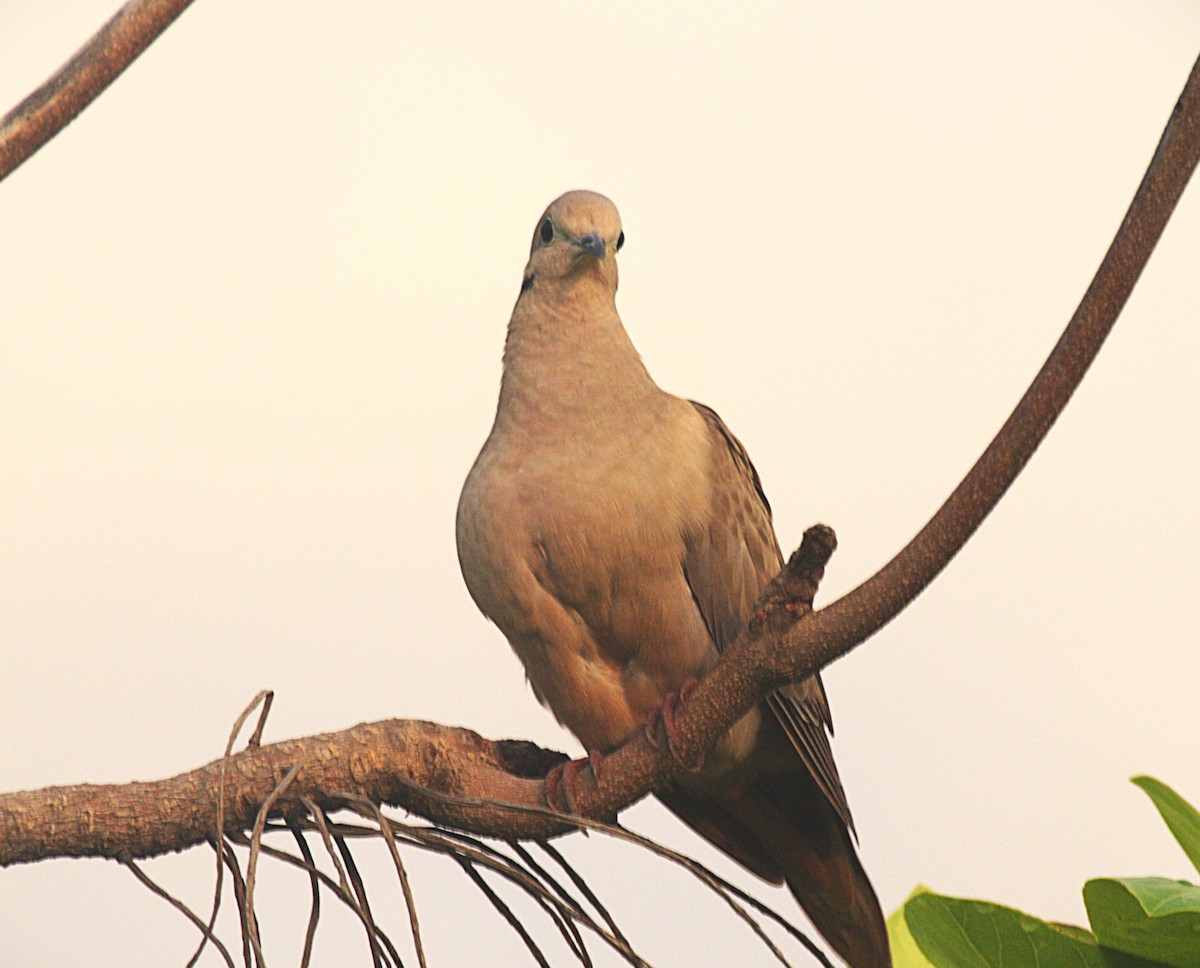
x=618, y=536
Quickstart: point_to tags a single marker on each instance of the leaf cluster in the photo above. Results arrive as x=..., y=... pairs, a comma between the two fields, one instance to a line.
x=1136, y=922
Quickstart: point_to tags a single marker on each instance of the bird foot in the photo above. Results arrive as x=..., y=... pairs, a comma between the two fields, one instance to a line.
x=561, y=790
x=665, y=716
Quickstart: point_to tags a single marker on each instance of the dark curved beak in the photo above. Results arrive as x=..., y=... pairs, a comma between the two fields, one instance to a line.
x=592, y=244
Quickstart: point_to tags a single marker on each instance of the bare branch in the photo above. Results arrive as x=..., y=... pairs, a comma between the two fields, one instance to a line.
x=392, y=761
x=866, y=609
x=80, y=80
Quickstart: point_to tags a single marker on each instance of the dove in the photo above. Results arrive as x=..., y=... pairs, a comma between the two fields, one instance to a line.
x=619, y=537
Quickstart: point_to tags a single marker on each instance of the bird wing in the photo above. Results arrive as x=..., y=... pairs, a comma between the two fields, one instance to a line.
x=728, y=564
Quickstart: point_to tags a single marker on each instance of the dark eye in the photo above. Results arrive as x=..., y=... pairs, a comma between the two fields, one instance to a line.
x=620, y=241
x=546, y=231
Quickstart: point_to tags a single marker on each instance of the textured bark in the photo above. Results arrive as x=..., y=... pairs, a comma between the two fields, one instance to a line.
x=80, y=80
x=386, y=762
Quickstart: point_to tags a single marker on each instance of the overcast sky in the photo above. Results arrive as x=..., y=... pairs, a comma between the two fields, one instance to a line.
x=254, y=300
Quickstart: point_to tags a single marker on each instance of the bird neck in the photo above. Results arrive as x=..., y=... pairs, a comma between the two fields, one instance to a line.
x=568, y=359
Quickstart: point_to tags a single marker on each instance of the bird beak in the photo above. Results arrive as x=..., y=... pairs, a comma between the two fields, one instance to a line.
x=592, y=244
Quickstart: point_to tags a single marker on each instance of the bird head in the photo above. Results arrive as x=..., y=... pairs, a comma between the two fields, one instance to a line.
x=577, y=237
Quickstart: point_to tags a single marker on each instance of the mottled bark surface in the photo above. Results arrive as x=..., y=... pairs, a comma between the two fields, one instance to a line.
x=83, y=78
x=386, y=762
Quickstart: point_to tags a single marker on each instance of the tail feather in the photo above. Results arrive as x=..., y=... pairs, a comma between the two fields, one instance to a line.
x=712, y=820
x=820, y=864
x=783, y=828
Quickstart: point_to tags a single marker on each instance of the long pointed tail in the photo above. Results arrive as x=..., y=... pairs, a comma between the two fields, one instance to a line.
x=782, y=827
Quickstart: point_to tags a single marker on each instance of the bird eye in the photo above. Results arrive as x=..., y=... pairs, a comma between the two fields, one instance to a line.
x=546, y=231
x=620, y=241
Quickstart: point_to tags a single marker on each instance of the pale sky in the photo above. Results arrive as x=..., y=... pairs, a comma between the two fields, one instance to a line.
x=254, y=300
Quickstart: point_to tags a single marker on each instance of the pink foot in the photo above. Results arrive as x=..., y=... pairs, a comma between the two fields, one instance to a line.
x=562, y=783
x=666, y=717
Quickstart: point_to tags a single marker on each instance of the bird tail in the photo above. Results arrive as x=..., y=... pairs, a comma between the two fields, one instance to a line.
x=781, y=827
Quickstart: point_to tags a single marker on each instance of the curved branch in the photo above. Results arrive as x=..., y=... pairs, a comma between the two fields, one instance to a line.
x=863, y=611
x=80, y=80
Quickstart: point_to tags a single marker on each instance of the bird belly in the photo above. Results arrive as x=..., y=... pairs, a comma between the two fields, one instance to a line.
x=581, y=567
x=628, y=631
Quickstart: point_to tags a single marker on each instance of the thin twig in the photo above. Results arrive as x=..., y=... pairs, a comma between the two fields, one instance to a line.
x=547, y=878
x=713, y=881
x=219, y=837
x=505, y=912
x=582, y=885
x=361, y=804
x=252, y=862
x=315, y=909
x=360, y=890
x=464, y=848
x=307, y=866
x=470, y=850
x=348, y=895
x=562, y=910
x=719, y=886
x=255, y=740
x=239, y=896
x=178, y=905
x=709, y=879
x=564, y=913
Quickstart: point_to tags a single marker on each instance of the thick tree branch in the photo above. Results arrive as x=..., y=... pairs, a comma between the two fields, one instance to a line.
x=391, y=761
x=80, y=80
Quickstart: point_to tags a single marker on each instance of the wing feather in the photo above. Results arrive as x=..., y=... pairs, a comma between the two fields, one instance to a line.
x=728, y=564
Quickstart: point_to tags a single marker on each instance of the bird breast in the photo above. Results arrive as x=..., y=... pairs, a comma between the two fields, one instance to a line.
x=561, y=541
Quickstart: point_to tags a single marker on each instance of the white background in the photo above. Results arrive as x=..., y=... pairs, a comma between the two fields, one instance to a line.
x=252, y=304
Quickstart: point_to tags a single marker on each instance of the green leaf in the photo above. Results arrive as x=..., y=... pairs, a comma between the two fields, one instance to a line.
x=1150, y=917
x=905, y=953
x=958, y=933
x=1181, y=817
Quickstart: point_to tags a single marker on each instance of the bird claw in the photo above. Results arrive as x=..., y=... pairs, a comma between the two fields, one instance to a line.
x=561, y=786
x=665, y=716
